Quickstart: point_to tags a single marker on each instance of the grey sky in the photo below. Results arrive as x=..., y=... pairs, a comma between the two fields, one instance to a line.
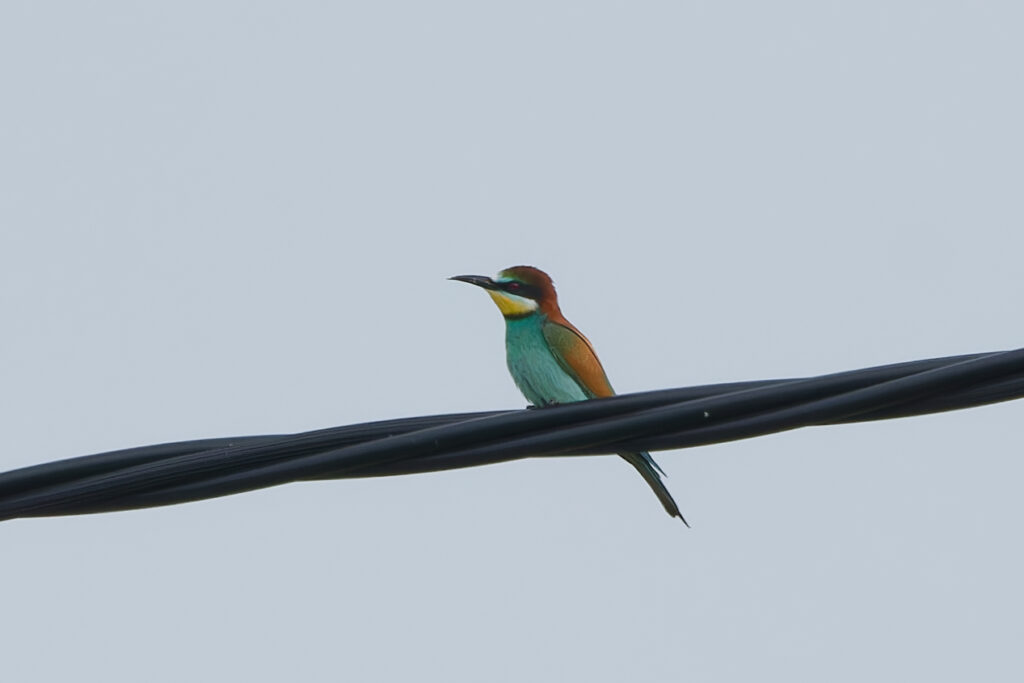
x=224, y=218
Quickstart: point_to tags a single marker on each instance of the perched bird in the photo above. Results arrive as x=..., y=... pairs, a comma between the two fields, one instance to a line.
x=550, y=360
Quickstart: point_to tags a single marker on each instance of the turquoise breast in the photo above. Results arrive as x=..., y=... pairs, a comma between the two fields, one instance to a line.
x=533, y=367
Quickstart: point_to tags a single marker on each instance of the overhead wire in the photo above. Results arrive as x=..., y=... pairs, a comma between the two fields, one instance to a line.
x=167, y=474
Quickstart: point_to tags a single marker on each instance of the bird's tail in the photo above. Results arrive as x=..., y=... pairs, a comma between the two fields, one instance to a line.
x=649, y=470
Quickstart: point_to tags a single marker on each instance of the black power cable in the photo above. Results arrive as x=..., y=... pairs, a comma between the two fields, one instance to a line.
x=674, y=418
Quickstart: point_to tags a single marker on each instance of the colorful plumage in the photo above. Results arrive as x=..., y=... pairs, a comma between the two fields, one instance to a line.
x=549, y=359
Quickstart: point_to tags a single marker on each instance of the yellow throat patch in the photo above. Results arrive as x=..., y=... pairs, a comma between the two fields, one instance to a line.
x=512, y=305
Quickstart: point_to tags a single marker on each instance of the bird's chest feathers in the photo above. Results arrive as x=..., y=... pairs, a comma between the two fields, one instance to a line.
x=533, y=366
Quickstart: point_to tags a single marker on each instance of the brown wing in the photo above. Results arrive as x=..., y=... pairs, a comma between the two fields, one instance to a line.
x=576, y=356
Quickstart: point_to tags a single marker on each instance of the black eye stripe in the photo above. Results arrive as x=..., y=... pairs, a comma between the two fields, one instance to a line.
x=521, y=289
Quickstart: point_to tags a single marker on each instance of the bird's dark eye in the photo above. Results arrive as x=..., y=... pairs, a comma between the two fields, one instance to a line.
x=513, y=286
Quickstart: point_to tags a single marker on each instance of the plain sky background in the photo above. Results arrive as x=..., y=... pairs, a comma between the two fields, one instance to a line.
x=223, y=218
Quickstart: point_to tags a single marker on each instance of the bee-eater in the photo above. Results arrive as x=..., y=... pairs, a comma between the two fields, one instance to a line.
x=550, y=360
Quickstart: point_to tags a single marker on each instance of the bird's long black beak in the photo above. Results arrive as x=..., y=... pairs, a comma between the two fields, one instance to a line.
x=478, y=280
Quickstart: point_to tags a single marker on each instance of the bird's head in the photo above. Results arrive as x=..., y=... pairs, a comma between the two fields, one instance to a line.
x=518, y=291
